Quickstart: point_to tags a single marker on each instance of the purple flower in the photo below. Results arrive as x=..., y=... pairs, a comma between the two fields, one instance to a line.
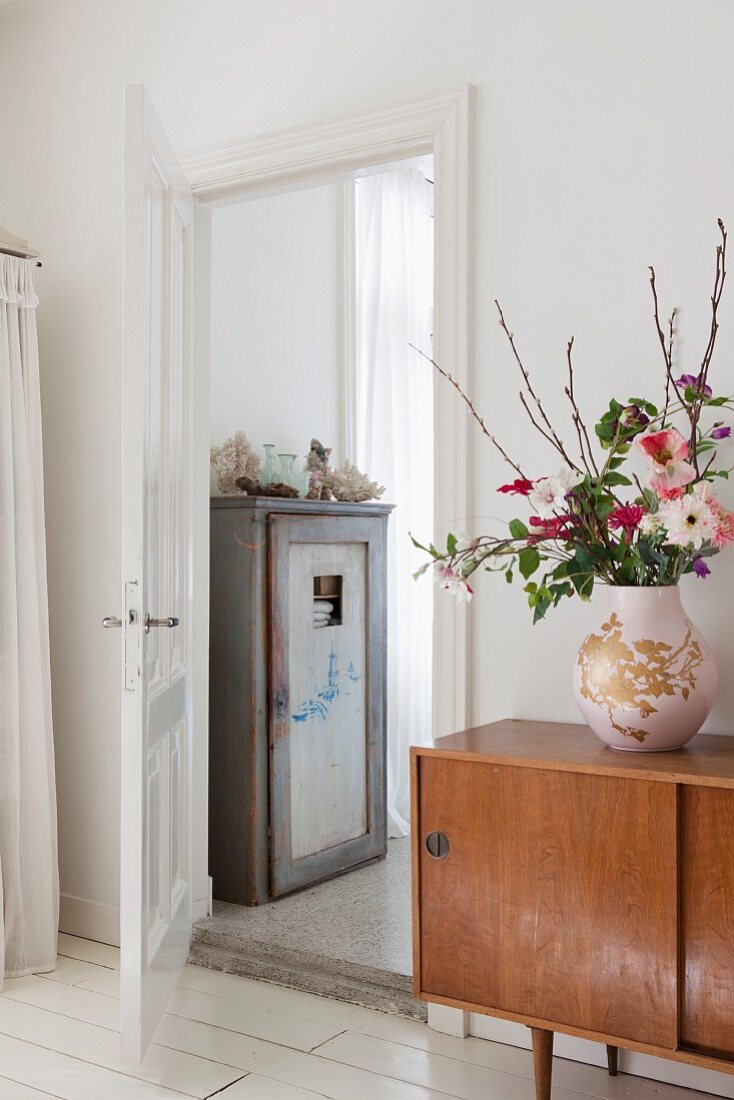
x=632, y=416
x=721, y=433
x=694, y=382
x=700, y=568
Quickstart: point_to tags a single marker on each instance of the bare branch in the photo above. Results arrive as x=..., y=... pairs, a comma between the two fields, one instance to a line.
x=667, y=352
x=472, y=409
x=579, y=424
x=556, y=440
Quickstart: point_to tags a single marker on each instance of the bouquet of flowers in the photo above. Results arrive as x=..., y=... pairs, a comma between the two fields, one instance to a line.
x=591, y=521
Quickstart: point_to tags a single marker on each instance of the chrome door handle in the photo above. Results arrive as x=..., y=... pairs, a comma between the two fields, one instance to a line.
x=170, y=622
x=111, y=621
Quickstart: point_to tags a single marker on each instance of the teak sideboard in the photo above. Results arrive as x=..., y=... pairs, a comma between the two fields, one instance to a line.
x=572, y=888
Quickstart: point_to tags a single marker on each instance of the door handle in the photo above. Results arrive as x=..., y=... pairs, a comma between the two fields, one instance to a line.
x=170, y=622
x=437, y=845
x=110, y=622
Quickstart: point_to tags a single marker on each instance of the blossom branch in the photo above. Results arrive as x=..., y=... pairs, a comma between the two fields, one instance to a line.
x=557, y=442
x=666, y=349
x=698, y=403
x=576, y=416
x=472, y=409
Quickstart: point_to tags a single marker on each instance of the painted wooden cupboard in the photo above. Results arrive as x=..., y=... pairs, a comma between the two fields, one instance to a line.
x=297, y=693
x=576, y=889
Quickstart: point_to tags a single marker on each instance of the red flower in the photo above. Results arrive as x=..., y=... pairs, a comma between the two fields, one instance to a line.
x=555, y=528
x=626, y=516
x=520, y=485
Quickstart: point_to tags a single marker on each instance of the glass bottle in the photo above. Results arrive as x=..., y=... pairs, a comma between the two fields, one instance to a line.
x=267, y=476
x=286, y=473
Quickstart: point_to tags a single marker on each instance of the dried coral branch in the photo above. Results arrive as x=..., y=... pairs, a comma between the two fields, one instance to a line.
x=235, y=458
x=348, y=483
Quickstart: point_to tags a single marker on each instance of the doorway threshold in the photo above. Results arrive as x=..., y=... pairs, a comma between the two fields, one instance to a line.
x=349, y=938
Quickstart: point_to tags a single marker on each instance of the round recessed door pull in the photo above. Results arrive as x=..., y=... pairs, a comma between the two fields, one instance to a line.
x=437, y=845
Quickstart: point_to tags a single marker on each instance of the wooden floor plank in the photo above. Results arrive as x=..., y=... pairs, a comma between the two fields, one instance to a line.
x=70, y=1078
x=102, y=954
x=176, y=1070
x=13, y=1090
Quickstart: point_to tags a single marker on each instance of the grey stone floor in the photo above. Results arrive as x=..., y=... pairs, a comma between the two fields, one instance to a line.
x=349, y=938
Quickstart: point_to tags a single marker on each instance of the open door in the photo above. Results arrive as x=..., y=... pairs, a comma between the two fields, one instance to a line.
x=155, y=893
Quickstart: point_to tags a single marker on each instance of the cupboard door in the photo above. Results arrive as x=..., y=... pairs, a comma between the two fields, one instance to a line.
x=707, y=919
x=327, y=686
x=553, y=895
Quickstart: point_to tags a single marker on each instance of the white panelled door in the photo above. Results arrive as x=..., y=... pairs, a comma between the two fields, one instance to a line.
x=155, y=895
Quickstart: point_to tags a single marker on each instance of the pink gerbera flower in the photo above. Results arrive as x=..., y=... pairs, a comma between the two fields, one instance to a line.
x=667, y=451
x=724, y=520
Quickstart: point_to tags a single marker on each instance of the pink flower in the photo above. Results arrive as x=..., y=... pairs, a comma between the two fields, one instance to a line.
x=671, y=494
x=724, y=520
x=667, y=451
x=519, y=485
x=626, y=516
x=451, y=582
x=554, y=528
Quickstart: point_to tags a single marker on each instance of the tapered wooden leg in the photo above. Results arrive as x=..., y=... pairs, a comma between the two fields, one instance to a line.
x=543, y=1059
x=613, y=1060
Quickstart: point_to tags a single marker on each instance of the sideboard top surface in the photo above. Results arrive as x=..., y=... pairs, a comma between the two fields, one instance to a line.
x=708, y=760
x=301, y=506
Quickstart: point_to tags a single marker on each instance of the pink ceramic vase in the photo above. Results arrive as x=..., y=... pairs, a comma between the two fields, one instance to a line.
x=645, y=679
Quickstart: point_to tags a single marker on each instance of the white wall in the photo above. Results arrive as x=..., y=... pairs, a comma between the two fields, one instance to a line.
x=601, y=146
x=276, y=364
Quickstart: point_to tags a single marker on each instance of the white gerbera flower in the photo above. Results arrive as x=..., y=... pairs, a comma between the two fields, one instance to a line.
x=689, y=521
x=548, y=494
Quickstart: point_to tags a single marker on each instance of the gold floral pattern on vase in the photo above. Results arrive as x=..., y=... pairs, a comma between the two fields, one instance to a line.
x=627, y=676
x=645, y=678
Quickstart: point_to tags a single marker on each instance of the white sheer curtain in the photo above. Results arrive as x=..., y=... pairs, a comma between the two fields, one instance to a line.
x=394, y=418
x=29, y=889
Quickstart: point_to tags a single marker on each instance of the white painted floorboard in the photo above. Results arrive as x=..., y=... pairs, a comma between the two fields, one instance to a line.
x=240, y=1039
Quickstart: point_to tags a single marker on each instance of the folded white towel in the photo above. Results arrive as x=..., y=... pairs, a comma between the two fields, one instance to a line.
x=325, y=622
x=322, y=618
x=323, y=605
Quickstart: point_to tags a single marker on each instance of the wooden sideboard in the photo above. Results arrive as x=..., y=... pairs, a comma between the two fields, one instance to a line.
x=575, y=889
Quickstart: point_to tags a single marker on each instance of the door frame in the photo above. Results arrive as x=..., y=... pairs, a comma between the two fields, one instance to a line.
x=317, y=153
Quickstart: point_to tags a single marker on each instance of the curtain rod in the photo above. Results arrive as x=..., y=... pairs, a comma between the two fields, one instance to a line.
x=10, y=245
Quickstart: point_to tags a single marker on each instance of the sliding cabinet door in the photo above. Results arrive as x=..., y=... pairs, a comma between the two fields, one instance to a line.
x=707, y=920
x=548, y=894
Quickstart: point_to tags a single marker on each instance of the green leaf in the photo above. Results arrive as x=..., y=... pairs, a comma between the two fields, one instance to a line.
x=581, y=572
x=508, y=576
x=451, y=544
x=418, y=545
x=528, y=561
x=717, y=402
x=616, y=479
x=540, y=609
x=518, y=530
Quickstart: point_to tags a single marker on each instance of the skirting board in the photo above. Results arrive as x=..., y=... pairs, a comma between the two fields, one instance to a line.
x=582, y=1050
x=91, y=920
